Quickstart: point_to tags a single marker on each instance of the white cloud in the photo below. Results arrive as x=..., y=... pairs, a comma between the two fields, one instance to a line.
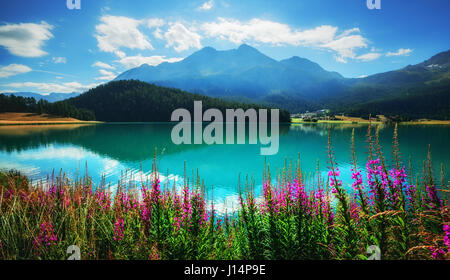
x=266, y=31
x=369, y=56
x=181, y=38
x=135, y=61
x=13, y=69
x=340, y=59
x=345, y=46
x=155, y=22
x=400, y=52
x=57, y=60
x=158, y=33
x=53, y=87
x=52, y=152
x=115, y=32
x=207, y=5
x=106, y=75
x=100, y=64
x=8, y=91
x=25, y=39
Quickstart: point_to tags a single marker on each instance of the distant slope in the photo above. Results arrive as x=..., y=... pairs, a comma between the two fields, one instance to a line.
x=52, y=97
x=416, y=91
x=432, y=102
x=137, y=101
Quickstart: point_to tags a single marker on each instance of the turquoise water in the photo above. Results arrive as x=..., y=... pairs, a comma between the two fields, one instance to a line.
x=115, y=149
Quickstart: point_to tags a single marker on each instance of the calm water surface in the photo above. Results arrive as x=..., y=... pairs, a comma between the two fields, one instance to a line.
x=111, y=150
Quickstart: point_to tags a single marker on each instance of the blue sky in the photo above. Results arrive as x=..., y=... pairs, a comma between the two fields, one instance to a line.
x=46, y=47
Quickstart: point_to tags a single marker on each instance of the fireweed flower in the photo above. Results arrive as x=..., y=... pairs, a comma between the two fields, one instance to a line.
x=358, y=182
x=354, y=210
x=51, y=190
x=118, y=229
x=155, y=195
x=319, y=202
x=146, y=206
x=178, y=210
x=300, y=195
x=199, y=203
x=335, y=184
x=377, y=181
x=398, y=179
x=447, y=236
x=411, y=195
x=268, y=194
x=433, y=200
x=46, y=236
x=437, y=253
x=102, y=199
x=187, y=207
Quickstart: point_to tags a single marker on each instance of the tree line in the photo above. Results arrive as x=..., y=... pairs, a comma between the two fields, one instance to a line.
x=12, y=103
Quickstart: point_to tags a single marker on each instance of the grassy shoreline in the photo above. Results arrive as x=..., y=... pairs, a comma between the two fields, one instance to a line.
x=24, y=123
x=364, y=121
x=38, y=119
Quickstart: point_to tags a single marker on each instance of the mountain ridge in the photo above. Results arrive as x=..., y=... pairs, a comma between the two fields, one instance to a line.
x=243, y=71
x=51, y=97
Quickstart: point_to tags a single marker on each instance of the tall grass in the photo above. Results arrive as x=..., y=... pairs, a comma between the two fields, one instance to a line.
x=406, y=217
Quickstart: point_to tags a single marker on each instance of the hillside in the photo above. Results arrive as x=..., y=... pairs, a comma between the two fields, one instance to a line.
x=432, y=102
x=416, y=91
x=135, y=101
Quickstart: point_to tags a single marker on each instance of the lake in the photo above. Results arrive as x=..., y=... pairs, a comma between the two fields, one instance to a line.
x=117, y=150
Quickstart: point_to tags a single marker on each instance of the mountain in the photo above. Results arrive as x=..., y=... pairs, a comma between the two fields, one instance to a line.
x=52, y=97
x=136, y=101
x=242, y=73
x=298, y=84
x=415, y=91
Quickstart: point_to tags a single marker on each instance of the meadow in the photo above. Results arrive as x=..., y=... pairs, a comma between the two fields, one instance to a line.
x=389, y=211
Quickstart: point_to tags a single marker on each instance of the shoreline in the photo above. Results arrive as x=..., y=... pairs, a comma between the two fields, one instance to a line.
x=20, y=118
x=8, y=123
x=361, y=121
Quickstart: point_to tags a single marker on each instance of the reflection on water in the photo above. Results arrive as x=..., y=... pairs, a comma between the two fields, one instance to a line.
x=110, y=149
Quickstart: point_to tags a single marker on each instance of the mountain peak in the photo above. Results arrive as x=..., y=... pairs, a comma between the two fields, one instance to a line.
x=246, y=48
x=208, y=49
x=441, y=59
x=303, y=64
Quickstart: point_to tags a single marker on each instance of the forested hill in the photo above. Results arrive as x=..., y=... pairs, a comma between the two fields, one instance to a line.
x=136, y=101
x=19, y=104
